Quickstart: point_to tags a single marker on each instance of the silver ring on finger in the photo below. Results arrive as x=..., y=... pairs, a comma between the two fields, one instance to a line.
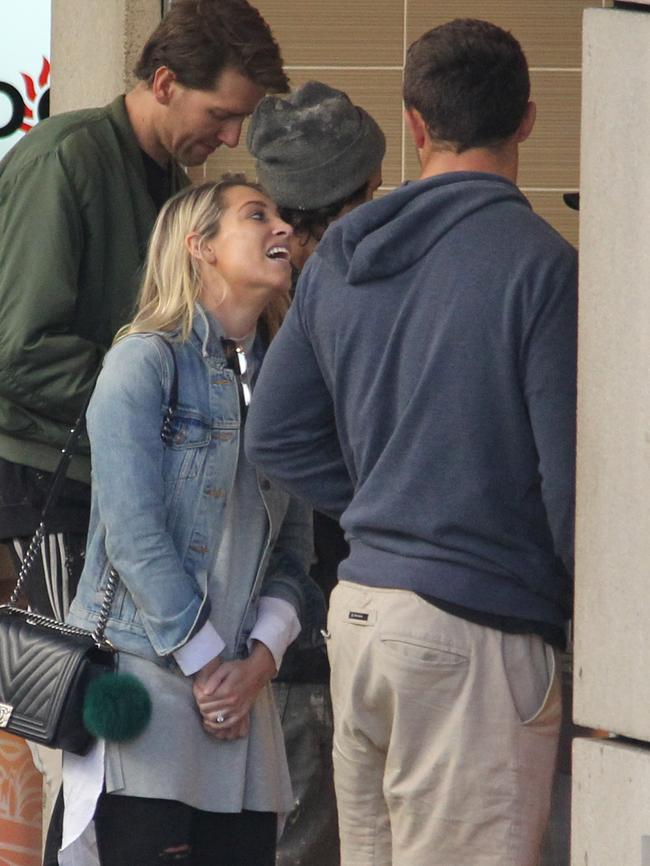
x=219, y=717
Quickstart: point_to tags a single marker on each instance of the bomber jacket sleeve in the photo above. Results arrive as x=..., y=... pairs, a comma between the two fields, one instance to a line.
x=43, y=365
x=124, y=421
x=290, y=430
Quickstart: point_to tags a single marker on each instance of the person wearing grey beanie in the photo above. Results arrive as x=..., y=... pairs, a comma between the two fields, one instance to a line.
x=317, y=155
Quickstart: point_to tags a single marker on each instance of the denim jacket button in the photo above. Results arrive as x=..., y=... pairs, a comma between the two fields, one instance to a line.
x=265, y=484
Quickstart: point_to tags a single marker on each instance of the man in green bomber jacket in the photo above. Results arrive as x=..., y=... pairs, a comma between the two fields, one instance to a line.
x=78, y=198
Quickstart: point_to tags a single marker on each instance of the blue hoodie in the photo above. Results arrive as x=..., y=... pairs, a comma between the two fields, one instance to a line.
x=423, y=388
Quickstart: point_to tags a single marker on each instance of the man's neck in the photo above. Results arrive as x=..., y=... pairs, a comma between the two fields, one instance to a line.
x=141, y=108
x=503, y=161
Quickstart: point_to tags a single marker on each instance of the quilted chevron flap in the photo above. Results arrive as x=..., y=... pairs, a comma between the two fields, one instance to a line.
x=40, y=668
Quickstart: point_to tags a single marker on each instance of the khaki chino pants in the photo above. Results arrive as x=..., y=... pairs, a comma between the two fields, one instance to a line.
x=445, y=734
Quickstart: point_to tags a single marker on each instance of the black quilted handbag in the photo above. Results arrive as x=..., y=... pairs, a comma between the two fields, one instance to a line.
x=46, y=665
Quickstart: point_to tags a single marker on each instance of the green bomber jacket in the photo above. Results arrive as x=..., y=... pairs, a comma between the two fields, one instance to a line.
x=75, y=218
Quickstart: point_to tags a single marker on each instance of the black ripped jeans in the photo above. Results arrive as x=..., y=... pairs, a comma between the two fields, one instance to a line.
x=138, y=831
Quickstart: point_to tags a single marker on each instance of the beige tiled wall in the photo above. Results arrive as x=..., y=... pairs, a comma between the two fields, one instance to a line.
x=359, y=46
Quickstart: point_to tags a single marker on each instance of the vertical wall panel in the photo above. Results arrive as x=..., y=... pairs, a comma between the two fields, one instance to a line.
x=359, y=47
x=549, y=30
x=337, y=33
x=550, y=157
x=94, y=48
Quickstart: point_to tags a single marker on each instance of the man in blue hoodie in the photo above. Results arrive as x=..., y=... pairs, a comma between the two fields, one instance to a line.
x=422, y=389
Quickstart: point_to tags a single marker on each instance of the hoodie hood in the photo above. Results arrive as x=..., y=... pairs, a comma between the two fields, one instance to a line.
x=385, y=237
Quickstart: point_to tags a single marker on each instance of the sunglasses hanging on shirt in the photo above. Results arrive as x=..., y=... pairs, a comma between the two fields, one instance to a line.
x=237, y=362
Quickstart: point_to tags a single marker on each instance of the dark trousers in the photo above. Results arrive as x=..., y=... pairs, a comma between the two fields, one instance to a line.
x=138, y=831
x=310, y=836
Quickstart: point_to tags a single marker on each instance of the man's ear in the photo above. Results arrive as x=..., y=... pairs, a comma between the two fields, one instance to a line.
x=163, y=84
x=527, y=123
x=417, y=127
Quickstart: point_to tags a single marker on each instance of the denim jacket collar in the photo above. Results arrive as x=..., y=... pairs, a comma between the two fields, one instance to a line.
x=207, y=333
x=204, y=335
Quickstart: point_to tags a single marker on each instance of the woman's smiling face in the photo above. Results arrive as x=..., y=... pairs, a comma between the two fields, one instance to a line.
x=250, y=252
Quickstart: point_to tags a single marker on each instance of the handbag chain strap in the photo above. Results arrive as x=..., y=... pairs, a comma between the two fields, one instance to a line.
x=32, y=551
x=58, y=478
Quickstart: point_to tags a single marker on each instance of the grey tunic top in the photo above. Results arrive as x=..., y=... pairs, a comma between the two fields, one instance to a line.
x=174, y=758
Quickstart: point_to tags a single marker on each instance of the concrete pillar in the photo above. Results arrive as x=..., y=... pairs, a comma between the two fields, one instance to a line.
x=611, y=779
x=611, y=820
x=95, y=44
x=612, y=626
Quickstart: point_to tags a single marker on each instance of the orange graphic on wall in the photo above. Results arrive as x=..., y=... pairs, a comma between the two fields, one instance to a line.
x=33, y=93
x=21, y=804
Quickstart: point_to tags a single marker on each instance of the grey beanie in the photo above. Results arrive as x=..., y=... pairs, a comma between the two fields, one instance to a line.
x=313, y=147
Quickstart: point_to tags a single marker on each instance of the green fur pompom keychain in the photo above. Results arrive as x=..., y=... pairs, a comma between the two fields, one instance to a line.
x=116, y=707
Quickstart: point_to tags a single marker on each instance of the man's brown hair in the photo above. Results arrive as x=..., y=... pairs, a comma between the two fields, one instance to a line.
x=469, y=81
x=198, y=39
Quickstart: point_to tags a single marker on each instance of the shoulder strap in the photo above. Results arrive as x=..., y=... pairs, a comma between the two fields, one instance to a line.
x=56, y=484
x=166, y=432
x=52, y=497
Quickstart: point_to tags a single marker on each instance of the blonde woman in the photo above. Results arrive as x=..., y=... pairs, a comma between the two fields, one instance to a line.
x=211, y=556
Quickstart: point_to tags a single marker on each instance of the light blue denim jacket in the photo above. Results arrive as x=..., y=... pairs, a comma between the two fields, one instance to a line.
x=158, y=510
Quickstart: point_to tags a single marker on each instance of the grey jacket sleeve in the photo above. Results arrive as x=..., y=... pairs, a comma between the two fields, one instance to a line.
x=548, y=363
x=290, y=430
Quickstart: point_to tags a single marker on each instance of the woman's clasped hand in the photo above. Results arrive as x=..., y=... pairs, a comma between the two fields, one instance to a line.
x=225, y=692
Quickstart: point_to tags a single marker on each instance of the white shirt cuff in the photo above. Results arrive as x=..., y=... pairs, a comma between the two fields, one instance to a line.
x=276, y=627
x=199, y=650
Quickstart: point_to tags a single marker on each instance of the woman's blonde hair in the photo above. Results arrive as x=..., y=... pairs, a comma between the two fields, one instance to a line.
x=172, y=279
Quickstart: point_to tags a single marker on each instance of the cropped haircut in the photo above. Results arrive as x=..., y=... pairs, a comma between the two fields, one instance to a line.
x=172, y=282
x=469, y=81
x=312, y=223
x=198, y=39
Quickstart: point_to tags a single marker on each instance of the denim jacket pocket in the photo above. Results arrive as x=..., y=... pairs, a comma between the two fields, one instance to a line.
x=190, y=432
x=189, y=429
